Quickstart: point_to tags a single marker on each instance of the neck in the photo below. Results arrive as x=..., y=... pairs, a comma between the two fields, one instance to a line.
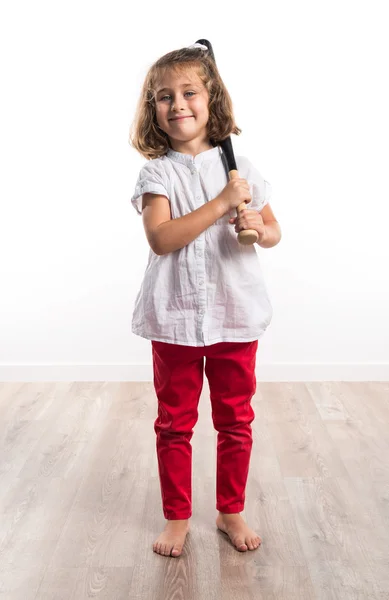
x=193, y=147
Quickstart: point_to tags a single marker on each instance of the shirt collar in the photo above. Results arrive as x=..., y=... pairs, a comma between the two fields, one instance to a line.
x=187, y=159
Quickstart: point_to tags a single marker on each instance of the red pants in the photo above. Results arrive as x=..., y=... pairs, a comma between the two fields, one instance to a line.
x=178, y=381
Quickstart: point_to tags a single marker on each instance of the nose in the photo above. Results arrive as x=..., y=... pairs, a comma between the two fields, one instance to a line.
x=177, y=105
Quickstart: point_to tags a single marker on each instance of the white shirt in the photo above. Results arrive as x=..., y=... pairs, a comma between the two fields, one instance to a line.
x=212, y=290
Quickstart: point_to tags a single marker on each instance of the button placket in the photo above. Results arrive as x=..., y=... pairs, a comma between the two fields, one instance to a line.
x=202, y=325
x=201, y=282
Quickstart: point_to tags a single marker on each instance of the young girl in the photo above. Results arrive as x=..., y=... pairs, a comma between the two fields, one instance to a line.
x=203, y=294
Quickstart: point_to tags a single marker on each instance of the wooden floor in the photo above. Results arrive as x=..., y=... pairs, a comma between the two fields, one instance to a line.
x=80, y=500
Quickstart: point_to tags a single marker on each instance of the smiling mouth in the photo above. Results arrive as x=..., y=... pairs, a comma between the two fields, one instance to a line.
x=182, y=118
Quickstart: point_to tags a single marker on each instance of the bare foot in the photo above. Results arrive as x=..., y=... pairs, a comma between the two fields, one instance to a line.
x=242, y=537
x=171, y=540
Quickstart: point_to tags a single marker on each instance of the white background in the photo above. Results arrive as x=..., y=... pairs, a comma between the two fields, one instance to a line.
x=308, y=82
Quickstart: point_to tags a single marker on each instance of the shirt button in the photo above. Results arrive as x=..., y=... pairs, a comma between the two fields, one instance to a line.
x=197, y=197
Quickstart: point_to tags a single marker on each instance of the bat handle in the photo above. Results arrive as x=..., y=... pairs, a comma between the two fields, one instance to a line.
x=246, y=236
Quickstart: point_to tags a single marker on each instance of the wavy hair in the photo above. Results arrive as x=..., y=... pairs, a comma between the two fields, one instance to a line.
x=146, y=136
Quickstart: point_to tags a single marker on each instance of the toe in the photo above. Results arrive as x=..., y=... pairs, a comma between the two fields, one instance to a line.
x=240, y=545
x=176, y=550
x=250, y=544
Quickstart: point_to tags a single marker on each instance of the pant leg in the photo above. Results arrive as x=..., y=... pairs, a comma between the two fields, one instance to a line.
x=178, y=381
x=230, y=369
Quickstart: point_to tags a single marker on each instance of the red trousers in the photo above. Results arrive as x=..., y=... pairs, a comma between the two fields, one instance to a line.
x=178, y=382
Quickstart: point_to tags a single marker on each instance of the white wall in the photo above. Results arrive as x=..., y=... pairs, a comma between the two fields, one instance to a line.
x=309, y=86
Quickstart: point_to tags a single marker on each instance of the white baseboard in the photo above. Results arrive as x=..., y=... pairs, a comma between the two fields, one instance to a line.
x=277, y=372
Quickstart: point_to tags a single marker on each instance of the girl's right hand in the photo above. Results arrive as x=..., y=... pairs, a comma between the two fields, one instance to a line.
x=236, y=191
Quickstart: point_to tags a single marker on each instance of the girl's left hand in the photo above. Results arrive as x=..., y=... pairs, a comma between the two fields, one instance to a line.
x=250, y=219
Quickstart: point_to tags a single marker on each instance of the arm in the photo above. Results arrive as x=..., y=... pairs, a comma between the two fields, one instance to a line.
x=165, y=234
x=272, y=234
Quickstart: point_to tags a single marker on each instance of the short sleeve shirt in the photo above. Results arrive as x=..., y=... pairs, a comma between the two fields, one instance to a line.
x=212, y=290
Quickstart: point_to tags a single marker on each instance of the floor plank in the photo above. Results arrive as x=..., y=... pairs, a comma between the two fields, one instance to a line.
x=80, y=502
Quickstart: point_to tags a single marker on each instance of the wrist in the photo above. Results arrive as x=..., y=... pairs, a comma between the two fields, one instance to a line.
x=222, y=206
x=265, y=237
x=271, y=236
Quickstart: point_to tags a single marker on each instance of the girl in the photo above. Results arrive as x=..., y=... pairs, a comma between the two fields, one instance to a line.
x=203, y=294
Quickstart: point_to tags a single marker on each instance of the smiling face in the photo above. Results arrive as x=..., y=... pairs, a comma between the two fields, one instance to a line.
x=183, y=95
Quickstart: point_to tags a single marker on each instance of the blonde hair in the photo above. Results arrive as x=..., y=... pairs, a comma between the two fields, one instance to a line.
x=145, y=135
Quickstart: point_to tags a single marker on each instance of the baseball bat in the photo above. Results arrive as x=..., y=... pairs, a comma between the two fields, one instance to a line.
x=246, y=236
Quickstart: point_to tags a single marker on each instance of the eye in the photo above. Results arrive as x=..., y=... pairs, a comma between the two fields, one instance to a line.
x=168, y=96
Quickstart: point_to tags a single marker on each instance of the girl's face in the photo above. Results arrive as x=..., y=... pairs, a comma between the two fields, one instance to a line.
x=182, y=96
